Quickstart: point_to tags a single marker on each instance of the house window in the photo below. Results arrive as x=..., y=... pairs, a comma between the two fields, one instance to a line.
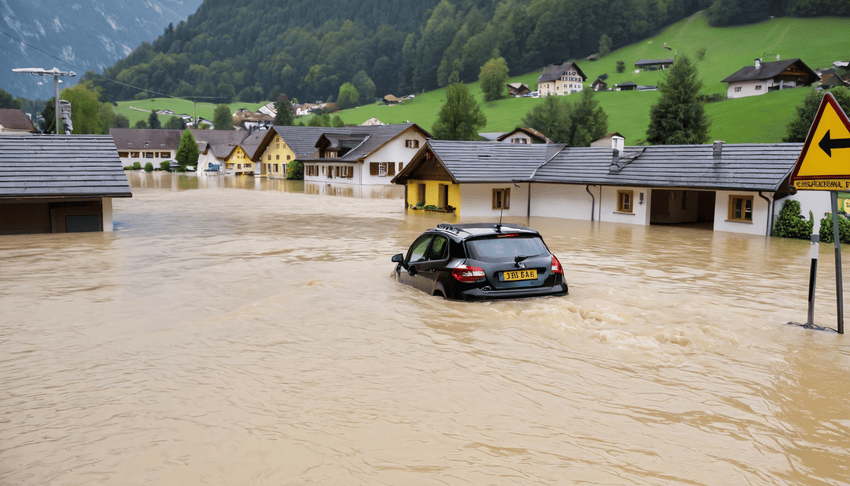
x=741, y=208
x=501, y=198
x=134, y=154
x=148, y=155
x=275, y=167
x=270, y=157
x=758, y=87
x=277, y=157
x=123, y=155
x=625, y=200
x=287, y=157
x=519, y=140
x=411, y=143
x=737, y=89
x=165, y=154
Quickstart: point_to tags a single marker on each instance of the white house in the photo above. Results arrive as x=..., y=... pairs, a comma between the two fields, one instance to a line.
x=736, y=188
x=361, y=155
x=561, y=79
x=762, y=77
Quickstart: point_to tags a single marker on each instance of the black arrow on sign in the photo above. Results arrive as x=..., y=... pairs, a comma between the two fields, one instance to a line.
x=827, y=144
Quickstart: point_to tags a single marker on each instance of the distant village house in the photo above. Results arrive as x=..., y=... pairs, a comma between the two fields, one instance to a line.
x=762, y=77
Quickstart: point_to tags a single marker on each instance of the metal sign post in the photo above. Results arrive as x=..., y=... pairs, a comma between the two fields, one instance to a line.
x=824, y=165
x=838, y=284
x=813, y=276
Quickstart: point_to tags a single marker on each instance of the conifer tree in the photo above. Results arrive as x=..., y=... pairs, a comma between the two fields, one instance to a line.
x=187, y=152
x=284, y=116
x=153, y=120
x=678, y=117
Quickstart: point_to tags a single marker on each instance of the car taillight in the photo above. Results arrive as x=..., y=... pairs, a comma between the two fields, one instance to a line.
x=556, y=265
x=465, y=273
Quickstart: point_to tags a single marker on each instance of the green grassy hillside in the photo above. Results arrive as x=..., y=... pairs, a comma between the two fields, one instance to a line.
x=817, y=41
x=133, y=110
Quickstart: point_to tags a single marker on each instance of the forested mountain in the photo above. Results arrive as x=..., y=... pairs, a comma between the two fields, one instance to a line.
x=254, y=49
x=76, y=36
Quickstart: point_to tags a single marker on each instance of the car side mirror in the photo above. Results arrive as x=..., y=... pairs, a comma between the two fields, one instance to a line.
x=398, y=258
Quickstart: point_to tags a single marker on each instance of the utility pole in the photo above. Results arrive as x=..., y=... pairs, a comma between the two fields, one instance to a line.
x=55, y=72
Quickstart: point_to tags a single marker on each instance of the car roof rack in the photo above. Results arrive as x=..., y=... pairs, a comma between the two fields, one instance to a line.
x=448, y=227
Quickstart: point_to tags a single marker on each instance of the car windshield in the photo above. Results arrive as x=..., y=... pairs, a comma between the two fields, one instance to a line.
x=505, y=248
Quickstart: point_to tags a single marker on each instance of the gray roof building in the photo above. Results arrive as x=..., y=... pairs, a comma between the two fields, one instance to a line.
x=555, y=71
x=352, y=144
x=789, y=68
x=63, y=167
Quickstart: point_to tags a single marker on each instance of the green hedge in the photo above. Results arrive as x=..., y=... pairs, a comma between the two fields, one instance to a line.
x=792, y=224
x=826, y=231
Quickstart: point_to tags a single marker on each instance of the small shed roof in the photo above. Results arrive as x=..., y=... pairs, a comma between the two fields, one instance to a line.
x=65, y=166
x=12, y=119
x=654, y=62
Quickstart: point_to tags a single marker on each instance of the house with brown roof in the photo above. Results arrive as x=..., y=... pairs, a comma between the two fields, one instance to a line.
x=145, y=145
x=517, y=89
x=15, y=122
x=561, y=80
x=523, y=135
x=762, y=77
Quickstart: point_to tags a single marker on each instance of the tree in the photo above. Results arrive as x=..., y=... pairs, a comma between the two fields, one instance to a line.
x=621, y=66
x=121, y=121
x=798, y=129
x=295, y=170
x=365, y=86
x=337, y=122
x=284, y=116
x=348, y=97
x=604, y=45
x=222, y=119
x=460, y=118
x=187, y=152
x=588, y=119
x=493, y=75
x=175, y=123
x=153, y=120
x=88, y=115
x=7, y=101
x=141, y=124
x=551, y=118
x=678, y=117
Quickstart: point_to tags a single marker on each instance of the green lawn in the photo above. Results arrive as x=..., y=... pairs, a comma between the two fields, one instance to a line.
x=204, y=110
x=817, y=41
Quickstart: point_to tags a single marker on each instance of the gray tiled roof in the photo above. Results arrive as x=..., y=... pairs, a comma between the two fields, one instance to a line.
x=68, y=166
x=754, y=167
x=302, y=140
x=491, y=162
x=145, y=138
x=769, y=70
x=653, y=62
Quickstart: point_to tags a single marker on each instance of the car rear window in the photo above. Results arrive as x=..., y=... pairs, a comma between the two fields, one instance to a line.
x=505, y=248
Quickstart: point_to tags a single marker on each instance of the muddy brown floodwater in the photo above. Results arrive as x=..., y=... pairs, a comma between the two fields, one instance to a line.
x=242, y=332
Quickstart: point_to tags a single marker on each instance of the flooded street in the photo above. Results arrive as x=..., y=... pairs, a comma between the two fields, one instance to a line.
x=250, y=333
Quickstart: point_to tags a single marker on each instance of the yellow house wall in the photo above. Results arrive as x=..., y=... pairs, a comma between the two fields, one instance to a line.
x=238, y=156
x=432, y=194
x=277, y=152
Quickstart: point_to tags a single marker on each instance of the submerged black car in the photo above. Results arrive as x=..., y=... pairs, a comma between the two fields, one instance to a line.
x=481, y=261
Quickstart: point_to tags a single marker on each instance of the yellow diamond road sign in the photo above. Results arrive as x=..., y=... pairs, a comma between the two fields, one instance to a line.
x=824, y=162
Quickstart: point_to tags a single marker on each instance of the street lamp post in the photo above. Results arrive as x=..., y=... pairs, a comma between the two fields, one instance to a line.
x=55, y=72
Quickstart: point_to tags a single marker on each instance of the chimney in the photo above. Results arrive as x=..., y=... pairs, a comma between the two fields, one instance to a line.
x=758, y=63
x=718, y=147
x=618, y=144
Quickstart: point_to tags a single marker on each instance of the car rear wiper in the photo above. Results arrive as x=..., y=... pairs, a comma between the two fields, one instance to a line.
x=518, y=259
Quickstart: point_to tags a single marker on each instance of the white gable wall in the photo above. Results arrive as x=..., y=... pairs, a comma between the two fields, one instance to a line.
x=394, y=151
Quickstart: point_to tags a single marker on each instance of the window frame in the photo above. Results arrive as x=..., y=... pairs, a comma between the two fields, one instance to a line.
x=731, y=208
x=624, y=206
x=503, y=195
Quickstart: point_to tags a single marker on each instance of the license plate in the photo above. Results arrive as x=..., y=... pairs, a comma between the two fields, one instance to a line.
x=519, y=275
